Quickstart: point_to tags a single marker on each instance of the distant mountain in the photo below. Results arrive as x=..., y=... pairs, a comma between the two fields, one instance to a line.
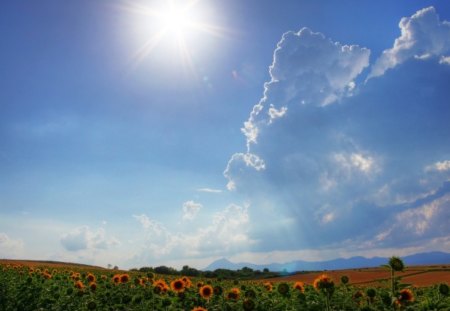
x=431, y=258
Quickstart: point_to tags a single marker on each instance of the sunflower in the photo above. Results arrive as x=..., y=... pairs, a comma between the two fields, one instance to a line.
x=283, y=289
x=218, y=290
x=323, y=282
x=90, y=277
x=248, y=305
x=116, y=278
x=142, y=282
x=233, y=294
x=199, y=309
x=344, y=279
x=206, y=291
x=177, y=285
x=46, y=275
x=358, y=295
x=396, y=264
x=268, y=286
x=187, y=281
x=371, y=293
x=406, y=295
x=250, y=293
x=79, y=285
x=300, y=286
x=93, y=286
x=124, y=278
x=444, y=289
x=161, y=286
x=75, y=276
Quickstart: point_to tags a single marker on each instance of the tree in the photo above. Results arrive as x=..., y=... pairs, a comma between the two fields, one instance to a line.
x=188, y=271
x=162, y=270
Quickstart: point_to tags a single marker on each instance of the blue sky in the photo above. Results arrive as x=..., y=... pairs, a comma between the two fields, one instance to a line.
x=259, y=131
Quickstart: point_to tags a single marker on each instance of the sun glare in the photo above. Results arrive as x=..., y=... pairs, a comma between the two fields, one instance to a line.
x=176, y=19
x=175, y=25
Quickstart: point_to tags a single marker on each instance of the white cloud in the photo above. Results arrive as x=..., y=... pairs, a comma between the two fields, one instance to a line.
x=209, y=190
x=423, y=35
x=424, y=224
x=240, y=162
x=83, y=238
x=275, y=114
x=10, y=248
x=191, y=209
x=419, y=220
x=226, y=234
x=310, y=67
x=355, y=162
x=307, y=69
x=348, y=169
x=445, y=60
x=329, y=217
x=439, y=166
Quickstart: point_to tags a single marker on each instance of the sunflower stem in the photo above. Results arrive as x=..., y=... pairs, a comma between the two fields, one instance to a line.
x=392, y=283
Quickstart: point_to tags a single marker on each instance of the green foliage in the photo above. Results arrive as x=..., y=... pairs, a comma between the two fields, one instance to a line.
x=22, y=288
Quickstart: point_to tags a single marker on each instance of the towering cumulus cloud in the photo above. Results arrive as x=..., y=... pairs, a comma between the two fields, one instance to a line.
x=423, y=35
x=308, y=70
x=330, y=162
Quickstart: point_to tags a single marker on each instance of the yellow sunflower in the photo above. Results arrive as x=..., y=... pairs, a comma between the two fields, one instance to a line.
x=206, y=291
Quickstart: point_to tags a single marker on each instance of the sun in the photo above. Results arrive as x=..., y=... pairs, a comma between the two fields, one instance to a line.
x=172, y=25
x=176, y=20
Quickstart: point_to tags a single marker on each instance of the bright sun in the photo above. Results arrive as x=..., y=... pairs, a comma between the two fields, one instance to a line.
x=176, y=20
x=175, y=25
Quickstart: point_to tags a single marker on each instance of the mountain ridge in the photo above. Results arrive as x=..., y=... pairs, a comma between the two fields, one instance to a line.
x=426, y=258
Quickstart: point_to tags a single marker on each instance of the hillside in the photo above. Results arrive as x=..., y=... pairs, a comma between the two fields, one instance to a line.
x=48, y=263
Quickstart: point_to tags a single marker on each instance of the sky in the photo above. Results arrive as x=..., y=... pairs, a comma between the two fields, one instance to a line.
x=147, y=133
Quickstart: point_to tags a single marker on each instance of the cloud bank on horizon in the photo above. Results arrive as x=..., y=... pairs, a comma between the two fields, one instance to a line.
x=342, y=153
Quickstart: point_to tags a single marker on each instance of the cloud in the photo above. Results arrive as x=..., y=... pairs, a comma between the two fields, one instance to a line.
x=439, y=166
x=240, y=162
x=10, y=248
x=347, y=161
x=209, y=190
x=444, y=60
x=83, y=238
x=307, y=69
x=423, y=35
x=191, y=209
x=226, y=234
x=427, y=221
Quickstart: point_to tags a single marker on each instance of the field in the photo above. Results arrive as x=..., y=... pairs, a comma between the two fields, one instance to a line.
x=417, y=276
x=32, y=286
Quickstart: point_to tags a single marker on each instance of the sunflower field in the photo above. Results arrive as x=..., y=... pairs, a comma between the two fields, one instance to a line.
x=27, y=288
